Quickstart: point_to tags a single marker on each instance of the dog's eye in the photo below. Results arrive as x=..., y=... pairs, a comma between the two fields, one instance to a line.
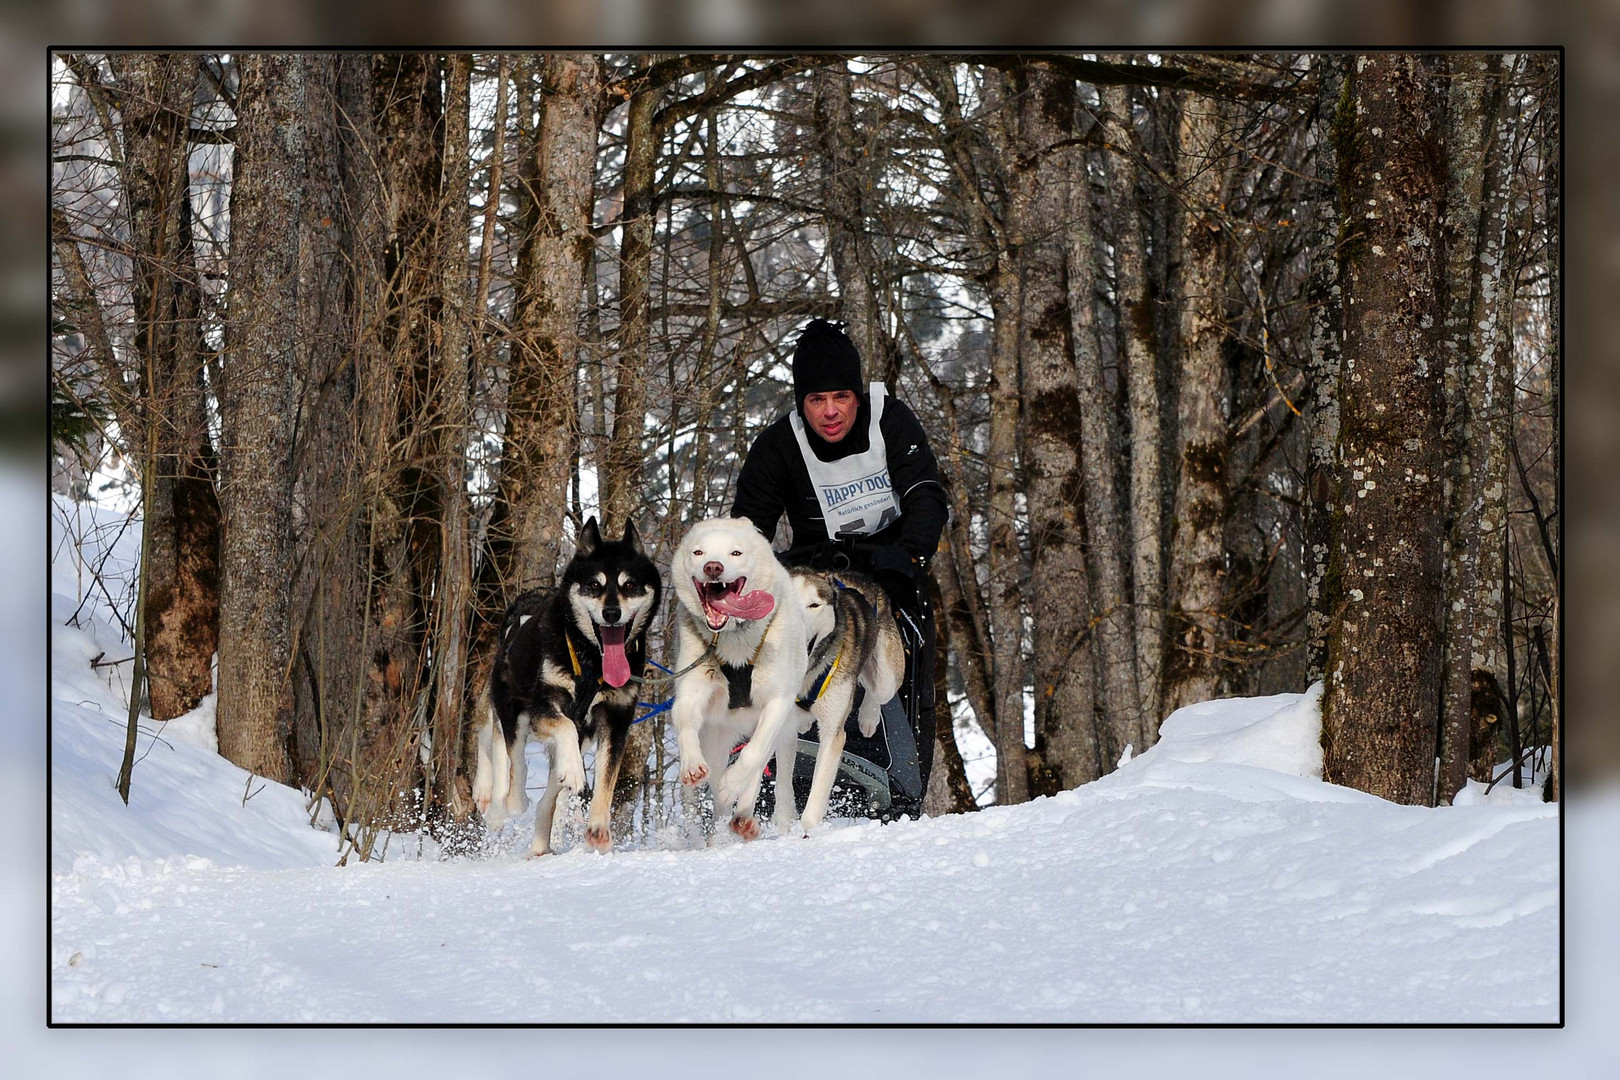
x=814, y=605
x=736, y=554
x=697, y=551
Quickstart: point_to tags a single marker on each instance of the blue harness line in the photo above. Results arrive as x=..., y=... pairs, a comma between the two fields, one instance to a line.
x=654, y=711
x=663, y=706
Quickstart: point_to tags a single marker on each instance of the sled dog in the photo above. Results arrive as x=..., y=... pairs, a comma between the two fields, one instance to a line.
x=740, y=629
x=853, y=640
x=563, y=672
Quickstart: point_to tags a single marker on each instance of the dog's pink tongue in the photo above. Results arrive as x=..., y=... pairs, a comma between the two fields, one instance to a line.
x=754, y=605
x=615, y=665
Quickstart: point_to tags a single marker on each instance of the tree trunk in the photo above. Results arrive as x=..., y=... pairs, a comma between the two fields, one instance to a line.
x=182, y=530
x=329, y=592
x=1139, y=340
x=525, y=531
x=1381, y=706
x=1125, y=720
x=257, y=412
x=621, y=472
x=345, y=426
x=1195, y=622
x=1006, y=558
x=1065, y=662
x=1475, y=334
x=1326, y=361
x=845, y=185
x=949, y=791
x=452, y=597
x=378, y=767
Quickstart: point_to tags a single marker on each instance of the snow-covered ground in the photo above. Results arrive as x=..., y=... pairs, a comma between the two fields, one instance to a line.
x=1213, y=879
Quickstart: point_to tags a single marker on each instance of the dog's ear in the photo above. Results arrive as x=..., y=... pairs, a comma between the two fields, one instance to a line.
x=632, y=537
x=590, y=538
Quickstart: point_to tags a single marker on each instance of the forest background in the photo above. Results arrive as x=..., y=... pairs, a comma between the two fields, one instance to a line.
x=1242, y=369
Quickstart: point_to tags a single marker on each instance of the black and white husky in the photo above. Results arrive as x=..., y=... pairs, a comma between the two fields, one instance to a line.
x=741, y=650
x=854, y=641
x=563, y=672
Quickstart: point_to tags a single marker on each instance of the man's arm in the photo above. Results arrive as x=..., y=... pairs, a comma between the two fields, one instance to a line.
x=762, y=485
x=915, y=474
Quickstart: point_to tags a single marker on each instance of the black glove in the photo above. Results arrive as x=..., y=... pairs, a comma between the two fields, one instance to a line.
x=892, y=558
x=896, y=572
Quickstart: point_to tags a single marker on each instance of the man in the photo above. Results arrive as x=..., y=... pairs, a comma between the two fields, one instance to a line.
x=851, y=468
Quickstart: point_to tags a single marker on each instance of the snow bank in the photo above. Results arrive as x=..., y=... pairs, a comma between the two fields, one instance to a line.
x=185, y=802
x=1192, y=886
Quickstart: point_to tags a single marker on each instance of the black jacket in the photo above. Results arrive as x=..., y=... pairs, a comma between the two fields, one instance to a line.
x=774, y=481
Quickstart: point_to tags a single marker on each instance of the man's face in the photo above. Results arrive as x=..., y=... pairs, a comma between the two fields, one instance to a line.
x=830, y=415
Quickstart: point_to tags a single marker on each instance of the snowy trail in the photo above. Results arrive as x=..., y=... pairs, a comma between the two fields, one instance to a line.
x=1214, y=878
x=1149, y=904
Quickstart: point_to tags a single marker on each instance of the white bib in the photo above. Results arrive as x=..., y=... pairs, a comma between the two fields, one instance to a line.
x=856, y=495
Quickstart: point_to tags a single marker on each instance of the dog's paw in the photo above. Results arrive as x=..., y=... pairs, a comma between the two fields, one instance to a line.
x=571, y=777
x=729, y=787
x=599, y=837
x=515, y=803
x=695, y=773
x=745, y=827
x=538, y=849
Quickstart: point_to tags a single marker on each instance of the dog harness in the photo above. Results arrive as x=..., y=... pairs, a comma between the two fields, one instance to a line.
x=739, y=679
x=811, y=696
x=739, y=685
x=584, y=685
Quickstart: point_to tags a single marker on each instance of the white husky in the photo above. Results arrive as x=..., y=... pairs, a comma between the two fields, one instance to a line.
x=740, y=612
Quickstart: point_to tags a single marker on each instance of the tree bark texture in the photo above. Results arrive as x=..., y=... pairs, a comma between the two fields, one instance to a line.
x=349, y=400
x=182, y=530
x=1326, y=361
x=1381, y=705
x=846, y=184
x=329, y=591
x=1196, y=623
x=1475, y=335
x=1006, y=556
x=1064, y=658
x=621, y=474
x=257, y=412
x=1140, y=359
x=380, y=754
x=451, y=609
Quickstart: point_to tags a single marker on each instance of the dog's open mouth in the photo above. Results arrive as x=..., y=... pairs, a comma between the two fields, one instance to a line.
x=723, y=600
x=615, y=664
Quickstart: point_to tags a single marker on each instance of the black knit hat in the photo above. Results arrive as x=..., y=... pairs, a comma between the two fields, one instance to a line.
x=824, y=360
